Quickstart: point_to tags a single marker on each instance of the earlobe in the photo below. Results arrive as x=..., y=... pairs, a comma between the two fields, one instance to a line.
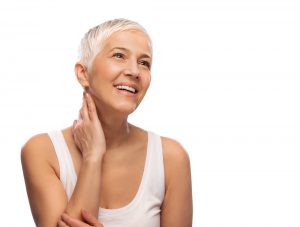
x=81, y=74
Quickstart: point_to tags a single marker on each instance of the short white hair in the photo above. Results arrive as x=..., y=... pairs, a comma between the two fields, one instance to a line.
x=93, y=41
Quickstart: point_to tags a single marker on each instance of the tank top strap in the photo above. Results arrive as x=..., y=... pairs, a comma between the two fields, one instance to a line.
x=67, y=173
x=156, y=179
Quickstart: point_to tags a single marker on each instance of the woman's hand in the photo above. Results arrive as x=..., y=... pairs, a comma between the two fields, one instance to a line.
x=89, y=221
x=87, y=131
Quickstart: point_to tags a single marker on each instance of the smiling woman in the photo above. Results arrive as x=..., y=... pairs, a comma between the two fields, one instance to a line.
x=104, y=171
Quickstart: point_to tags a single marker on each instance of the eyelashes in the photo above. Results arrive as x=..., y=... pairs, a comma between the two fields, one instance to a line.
x=145, y=63
x=118, y=55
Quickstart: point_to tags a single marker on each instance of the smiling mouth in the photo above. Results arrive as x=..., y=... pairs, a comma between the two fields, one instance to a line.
x=127, y=88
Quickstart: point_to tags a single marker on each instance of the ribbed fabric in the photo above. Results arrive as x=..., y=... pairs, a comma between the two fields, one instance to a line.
x=144, y=210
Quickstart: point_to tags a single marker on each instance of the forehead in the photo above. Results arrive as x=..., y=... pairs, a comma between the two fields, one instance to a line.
x=135, y=41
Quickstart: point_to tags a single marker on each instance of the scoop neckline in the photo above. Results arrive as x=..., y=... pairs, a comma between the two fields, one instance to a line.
x=118, y=211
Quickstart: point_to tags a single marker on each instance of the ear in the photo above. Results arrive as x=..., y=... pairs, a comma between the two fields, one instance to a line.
x=82, y=74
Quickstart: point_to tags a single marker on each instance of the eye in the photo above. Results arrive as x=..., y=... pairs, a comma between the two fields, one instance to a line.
x=118, y=55
x=145, y=63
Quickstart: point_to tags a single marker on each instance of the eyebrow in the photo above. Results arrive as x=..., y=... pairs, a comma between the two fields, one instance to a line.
x=144, y=55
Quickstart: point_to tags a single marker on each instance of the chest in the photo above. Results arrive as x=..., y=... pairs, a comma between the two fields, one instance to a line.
x=121, y=175
x=121, y=178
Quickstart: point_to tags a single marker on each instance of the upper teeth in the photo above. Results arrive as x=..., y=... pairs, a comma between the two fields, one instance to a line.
x=124, y=87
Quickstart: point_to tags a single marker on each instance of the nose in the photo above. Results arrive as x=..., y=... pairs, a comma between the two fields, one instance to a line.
x=132, y=69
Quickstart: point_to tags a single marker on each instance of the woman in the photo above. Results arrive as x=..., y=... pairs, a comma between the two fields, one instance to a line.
x=136, y=177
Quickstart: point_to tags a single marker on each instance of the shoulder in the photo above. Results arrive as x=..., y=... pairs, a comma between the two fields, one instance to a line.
x=174, y=151
x=176, y=159
x=35, y=144
x=38, y=151
x=36, y=140
x=177, y=205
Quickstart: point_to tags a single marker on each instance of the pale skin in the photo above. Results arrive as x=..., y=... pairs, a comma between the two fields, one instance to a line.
x=103, y=144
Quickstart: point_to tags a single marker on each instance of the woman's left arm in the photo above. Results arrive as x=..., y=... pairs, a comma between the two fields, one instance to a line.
x=177, y=208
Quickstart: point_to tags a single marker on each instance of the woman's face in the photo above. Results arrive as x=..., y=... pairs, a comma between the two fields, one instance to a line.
x=120, y=74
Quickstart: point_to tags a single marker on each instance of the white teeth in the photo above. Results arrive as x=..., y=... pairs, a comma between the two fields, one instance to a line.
x=124, y=87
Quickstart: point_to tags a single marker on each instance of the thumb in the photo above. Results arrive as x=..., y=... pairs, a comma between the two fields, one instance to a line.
x=89, y=218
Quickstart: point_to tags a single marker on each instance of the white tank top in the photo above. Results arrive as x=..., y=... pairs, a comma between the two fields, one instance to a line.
x=144, y=210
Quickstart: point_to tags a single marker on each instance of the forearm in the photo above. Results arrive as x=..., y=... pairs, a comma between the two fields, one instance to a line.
x=86, y=193
x=89, y=138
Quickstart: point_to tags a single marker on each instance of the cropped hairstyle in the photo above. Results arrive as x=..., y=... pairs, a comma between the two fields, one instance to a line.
x=94, y=40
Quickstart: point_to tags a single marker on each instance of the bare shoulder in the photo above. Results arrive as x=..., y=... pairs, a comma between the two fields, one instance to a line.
x=173, y=151
x=176, y=159
x=35, y=145
x=177, y=208
x=37, y=151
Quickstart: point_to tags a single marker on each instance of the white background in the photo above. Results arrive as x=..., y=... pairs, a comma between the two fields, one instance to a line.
x=226, y=84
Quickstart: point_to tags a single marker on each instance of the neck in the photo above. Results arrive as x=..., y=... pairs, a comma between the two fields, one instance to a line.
x=115, y=127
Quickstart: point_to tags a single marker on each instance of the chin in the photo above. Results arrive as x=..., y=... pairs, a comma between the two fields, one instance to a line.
x=127, y=109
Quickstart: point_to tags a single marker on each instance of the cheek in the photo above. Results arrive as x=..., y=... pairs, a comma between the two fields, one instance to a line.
x=103, y=75
x=105, y=68
x=148, y=81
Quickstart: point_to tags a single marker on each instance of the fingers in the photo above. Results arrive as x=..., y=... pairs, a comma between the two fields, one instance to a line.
x=91, y=107
x=61, y=223
x=84, y=110
x=71, y=222
x=88, y=109
x=73, y=126
x=90, y=219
